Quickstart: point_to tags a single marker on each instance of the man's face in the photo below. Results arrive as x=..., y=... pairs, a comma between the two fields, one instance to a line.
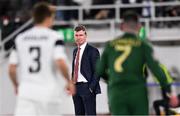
x=80, y=37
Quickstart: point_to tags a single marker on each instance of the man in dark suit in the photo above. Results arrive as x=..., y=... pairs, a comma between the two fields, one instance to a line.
x=83, y=74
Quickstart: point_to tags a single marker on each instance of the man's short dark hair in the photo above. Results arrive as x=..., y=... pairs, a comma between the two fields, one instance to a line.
x=130, y=16
x=79, y=28
x=41, y=11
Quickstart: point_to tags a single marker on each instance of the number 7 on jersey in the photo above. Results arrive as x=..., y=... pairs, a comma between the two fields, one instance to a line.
x=119, y=61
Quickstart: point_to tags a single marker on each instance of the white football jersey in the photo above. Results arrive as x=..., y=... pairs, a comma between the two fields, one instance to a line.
x=35, y=53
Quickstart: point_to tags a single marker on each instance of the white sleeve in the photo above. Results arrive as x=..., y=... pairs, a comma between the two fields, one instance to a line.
x=59, y=52
x=13, y=58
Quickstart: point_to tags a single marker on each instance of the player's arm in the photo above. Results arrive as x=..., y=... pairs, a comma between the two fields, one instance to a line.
x=12, y=74
x=60, y=56
x=159, y=74
x=154, y=67
x=13, y=60
x=62, y=66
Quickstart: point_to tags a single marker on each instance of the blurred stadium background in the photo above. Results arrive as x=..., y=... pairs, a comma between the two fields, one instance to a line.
x=160, y=18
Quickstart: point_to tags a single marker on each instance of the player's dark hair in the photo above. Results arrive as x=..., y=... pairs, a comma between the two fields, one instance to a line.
x=79, y=28
x=41, y=11
x=130, y=16
x=131, y=19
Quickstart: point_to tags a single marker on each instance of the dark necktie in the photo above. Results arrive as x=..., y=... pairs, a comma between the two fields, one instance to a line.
x=76, y=67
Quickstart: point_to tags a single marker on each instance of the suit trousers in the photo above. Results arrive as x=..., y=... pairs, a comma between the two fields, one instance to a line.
x=84, y=100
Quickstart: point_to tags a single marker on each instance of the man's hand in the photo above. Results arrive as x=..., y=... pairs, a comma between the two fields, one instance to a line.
x=71, y=90
x=173, y=101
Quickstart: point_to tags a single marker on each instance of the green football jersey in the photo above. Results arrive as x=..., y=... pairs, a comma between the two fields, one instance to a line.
x=123, y=59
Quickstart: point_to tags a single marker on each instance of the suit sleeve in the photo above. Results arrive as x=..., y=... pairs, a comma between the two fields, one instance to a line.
x=155, y=68
x=95, y=56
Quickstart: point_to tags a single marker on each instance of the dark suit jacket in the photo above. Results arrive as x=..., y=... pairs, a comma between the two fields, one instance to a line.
x=88, y=67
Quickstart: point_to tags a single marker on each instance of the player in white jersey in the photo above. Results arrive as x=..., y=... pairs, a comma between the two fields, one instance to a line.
x=37, y=53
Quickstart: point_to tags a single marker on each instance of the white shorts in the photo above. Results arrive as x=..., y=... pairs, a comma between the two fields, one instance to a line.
x=26, y=107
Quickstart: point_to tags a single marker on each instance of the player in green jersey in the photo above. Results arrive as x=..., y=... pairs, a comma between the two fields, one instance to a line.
x=121, y=66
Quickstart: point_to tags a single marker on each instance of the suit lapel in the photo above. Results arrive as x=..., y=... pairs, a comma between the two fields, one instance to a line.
x=74, y=56
x=84, y=55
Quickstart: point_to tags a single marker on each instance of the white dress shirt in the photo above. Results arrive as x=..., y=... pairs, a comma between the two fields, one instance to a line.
x=81, y=78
